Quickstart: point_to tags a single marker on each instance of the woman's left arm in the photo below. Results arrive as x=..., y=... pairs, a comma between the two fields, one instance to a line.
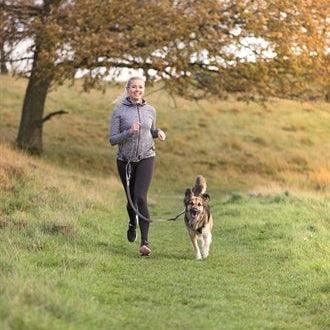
x=156, y=132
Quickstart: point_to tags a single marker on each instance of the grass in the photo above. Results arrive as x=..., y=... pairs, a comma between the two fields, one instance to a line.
x=235, y=145
x=64, y=259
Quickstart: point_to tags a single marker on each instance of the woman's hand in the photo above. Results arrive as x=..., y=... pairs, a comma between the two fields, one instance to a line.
x=161, y=135
x=135, y=127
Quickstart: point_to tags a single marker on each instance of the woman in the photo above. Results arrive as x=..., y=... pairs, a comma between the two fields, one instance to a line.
x=133, y=129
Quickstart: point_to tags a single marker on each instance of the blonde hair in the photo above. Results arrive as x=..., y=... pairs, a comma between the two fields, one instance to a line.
x=123, y=96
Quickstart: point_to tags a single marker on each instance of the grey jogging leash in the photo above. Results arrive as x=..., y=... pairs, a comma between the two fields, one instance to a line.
x=128, y=170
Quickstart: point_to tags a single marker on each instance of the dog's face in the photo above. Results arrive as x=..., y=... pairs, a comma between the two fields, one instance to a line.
x=195, y=205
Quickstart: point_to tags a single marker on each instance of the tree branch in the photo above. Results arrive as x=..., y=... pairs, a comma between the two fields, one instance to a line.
x=27, y=58
x=23, y=10
x=39, y=123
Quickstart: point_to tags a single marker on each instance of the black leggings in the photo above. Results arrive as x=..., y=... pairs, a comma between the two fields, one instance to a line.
x=141, y=174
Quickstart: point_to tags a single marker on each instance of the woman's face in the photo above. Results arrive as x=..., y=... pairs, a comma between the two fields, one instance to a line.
x=136, y=90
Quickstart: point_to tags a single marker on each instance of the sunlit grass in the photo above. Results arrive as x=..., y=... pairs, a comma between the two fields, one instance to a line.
x=236, y=145
x=64, y=259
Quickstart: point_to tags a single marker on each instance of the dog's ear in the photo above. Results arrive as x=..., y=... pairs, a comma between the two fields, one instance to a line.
x=206, y=198
x=187, y=195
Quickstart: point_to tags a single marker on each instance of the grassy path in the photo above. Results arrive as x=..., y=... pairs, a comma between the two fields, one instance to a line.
x=64, y=259
x=268, y=268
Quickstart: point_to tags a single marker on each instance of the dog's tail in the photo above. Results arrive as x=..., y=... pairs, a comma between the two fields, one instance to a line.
x=200, y=186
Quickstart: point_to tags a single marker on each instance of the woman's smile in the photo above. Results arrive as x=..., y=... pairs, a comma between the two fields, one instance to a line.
x=136, y=90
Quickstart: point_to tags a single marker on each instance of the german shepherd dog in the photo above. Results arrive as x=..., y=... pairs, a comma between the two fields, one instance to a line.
x=198, y=218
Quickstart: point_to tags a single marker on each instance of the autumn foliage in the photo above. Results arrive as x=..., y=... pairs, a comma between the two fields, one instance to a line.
x=253, y=49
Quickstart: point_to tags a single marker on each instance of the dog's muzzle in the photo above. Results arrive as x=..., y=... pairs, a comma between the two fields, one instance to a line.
x=194, y=213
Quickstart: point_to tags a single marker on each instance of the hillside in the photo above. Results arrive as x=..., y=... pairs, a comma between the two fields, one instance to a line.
x=234, y=144
x=64, y=259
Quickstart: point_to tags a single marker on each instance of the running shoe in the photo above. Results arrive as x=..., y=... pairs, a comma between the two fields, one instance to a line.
x=131, y=232
x=145, y=251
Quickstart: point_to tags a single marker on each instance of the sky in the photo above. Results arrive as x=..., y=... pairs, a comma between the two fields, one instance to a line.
x=244, y=52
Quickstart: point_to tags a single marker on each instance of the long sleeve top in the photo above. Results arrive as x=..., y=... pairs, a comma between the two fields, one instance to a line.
x=133, y=146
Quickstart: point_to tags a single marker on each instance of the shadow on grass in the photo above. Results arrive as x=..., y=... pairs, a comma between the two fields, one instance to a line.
x=173, y=256
x=130, y=250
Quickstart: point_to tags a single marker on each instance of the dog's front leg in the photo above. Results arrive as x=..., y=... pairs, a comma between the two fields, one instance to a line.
x=193, y=238
x=207, y=238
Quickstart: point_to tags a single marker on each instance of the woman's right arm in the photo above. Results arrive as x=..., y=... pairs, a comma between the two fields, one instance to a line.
x=115, y=135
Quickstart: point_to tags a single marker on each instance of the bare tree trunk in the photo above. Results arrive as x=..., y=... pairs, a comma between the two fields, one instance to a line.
x=29, y=136
x=30, y=130
x=3, y=59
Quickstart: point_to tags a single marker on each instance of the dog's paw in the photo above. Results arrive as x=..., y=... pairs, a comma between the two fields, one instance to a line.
x=205, y=254
x=199, y=257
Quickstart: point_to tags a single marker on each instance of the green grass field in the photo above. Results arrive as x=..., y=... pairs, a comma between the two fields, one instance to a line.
x=64, y=259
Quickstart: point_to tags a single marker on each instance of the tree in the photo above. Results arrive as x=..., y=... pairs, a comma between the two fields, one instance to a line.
x=7, y=31
x=3, y=59
x=198, y=47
